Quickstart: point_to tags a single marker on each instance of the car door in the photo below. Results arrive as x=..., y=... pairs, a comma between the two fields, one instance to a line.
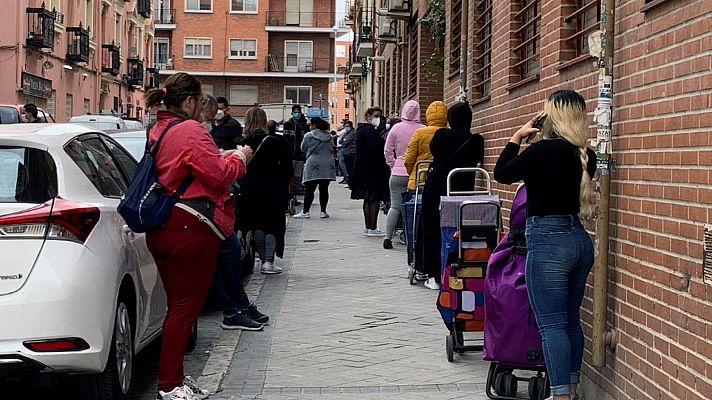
x=152, y=294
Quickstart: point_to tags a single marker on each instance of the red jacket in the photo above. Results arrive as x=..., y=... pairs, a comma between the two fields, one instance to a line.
x=188, y=148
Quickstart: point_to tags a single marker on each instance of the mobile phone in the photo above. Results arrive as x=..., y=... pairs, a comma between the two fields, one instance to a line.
x=539, y=121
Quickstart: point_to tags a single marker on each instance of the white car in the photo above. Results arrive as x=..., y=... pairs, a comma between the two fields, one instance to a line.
x=100, y=122
x=79, y=291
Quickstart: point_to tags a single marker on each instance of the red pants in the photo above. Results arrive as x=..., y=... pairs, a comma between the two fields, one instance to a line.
x=185, y=251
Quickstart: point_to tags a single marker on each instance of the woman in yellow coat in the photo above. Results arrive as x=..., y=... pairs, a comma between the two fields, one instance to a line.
x=419, y=145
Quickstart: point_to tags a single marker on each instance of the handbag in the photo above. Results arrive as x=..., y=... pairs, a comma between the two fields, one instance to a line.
x=146, y=205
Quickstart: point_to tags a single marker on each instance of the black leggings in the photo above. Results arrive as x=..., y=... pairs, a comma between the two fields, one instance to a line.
x=310, y=187
x=370, y=213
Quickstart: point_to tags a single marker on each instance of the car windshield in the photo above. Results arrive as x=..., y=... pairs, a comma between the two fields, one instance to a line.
x=134, y=145
x=9, y=115
x=26, y=175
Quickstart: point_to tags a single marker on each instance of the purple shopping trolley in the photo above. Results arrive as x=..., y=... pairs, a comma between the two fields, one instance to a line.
x=511, y=339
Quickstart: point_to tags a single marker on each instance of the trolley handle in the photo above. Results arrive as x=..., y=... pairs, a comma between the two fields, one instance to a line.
x=419, y=171
x=456, y=171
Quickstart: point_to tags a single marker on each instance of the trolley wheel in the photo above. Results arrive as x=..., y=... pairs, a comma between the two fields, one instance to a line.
x=510, y=385
x=401, y=238
x=534, y=388
x=499, y=386
x=411, y=276
x=449, y=348
x=292, y=206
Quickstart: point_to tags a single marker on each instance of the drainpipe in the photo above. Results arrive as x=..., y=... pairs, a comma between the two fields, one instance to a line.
x=464, y=32
x=602, y=337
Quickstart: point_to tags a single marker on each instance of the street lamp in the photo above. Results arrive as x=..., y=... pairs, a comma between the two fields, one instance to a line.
x=336, y=102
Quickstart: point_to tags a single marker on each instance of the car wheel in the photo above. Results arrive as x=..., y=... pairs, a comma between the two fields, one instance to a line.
x=193, y=338
x=116, y=380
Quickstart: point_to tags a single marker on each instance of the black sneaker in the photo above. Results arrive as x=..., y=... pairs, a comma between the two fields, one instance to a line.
x=256, y=315
x=241, y=320
x=387, y=244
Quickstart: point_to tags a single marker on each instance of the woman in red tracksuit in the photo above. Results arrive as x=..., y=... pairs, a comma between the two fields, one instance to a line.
x=186, y=247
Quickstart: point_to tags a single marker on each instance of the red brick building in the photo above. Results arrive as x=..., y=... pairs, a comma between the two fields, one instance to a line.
x=659, y=293
x=250, y=51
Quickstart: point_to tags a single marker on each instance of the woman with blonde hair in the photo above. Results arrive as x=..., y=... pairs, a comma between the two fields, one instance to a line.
x=557, y=172
x=265, y=190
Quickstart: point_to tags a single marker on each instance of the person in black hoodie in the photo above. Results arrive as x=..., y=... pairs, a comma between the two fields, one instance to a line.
x=294, y=130
x=454, y=147
x=369, y=180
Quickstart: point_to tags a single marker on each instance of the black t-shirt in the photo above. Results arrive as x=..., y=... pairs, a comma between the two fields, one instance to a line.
x=551, y=170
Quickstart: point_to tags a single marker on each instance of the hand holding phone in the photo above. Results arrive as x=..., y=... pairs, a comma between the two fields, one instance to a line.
x=537, y=123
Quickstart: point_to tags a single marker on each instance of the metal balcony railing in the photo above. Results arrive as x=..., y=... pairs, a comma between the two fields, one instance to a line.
x=289, y=63
x=40, y=27
x=164, y=16
x=315, y=19
x=110, y=59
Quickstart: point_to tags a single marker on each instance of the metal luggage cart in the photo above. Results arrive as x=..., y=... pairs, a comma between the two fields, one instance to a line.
x=415, y=270
x=477, y=228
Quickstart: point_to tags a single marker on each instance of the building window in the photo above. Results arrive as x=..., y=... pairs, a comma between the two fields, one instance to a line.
x=455, y=33
x=585, y=19
x=87, y=106
x=340, y=51
x=52, y=103
x=483, y=49
x=346, y=103
x=68, y=105
x=298, y=56
x=199, y=5
x=161, y=52
x=208, y=89
x=243, y=95
x=89, y=17
x=117, y=30
x=198, y=48
x=297, y=94
x=243, y=48
x=247, y=6
x=528, y=50
x=413, y=64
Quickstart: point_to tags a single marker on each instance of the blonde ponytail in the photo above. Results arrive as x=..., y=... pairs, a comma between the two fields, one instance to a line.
x=588, y=207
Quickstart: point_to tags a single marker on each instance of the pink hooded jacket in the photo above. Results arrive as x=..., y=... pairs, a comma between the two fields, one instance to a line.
x=399, y=137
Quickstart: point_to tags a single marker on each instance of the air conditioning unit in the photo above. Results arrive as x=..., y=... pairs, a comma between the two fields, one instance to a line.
x=387, y=28
x=399, y=9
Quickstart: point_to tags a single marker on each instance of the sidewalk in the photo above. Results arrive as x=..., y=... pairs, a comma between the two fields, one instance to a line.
x=346, y=324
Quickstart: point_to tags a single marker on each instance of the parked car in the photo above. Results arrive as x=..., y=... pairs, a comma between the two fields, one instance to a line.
x=99, y=122
x=10, y=114
x=132, y=140
x=133, y=123
x=80, y=288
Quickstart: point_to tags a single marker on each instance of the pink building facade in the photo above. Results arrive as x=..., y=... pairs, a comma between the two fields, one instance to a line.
x=73, y=57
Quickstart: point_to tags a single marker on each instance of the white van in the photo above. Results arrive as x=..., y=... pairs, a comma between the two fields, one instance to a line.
x=100, y=122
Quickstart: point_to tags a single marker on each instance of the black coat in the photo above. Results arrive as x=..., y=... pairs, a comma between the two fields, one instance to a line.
x=369, y=179
x=227, y=134
x=264, y=190
x=294, y=132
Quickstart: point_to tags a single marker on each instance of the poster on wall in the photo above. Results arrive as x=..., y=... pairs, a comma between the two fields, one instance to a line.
x=33, y=85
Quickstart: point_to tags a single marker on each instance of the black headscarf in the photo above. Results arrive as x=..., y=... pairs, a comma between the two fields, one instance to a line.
x=460, y=117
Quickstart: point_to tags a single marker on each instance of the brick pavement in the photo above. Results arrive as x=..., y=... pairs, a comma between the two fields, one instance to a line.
x=346, y=323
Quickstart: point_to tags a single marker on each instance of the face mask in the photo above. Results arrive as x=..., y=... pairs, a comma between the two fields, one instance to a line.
x=297, y=115
x=208, y=126
x=219, y=115
x=376, y=122
x=388, y=126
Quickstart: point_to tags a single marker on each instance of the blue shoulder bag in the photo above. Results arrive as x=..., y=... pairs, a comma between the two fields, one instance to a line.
x=146, y=205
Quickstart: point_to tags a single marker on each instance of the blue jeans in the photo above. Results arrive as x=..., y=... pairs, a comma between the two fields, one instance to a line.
x=559, y=259
x=227, y=282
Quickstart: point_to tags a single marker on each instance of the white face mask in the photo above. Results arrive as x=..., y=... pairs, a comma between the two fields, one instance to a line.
x=376, y=122
x=388, y=126
x=219, y=115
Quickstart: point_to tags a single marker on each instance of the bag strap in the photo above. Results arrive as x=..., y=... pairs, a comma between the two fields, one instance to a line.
x=459, y=149
x=153, y=146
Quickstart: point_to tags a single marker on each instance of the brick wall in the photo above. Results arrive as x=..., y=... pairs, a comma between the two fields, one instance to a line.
x=322, y=48
x=659, y=306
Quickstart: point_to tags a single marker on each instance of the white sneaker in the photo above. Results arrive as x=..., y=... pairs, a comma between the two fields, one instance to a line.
x=431, y=284
x=365, y=232
x=268, y=268
x=301, y=215
x=323, y=215
x=178, y=393
x=376, y=233
x=193, y=386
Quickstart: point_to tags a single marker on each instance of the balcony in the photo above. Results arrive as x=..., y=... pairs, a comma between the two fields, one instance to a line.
x=77, y=44
x=308, y=65
x=154, y=79
x=164, y=18
x=306, y=22
x=399, y=9
x=364, y=48
x=110, y=59
x=387, y=28
x=135, y=72
x=40, y=28
x=143, y=7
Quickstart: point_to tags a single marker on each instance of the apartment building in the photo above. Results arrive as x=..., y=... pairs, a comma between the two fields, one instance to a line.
x=72, y=57
x=342, y=106
x=250, y=51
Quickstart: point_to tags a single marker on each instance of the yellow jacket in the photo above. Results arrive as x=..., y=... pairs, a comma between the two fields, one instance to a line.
x=419, y=145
